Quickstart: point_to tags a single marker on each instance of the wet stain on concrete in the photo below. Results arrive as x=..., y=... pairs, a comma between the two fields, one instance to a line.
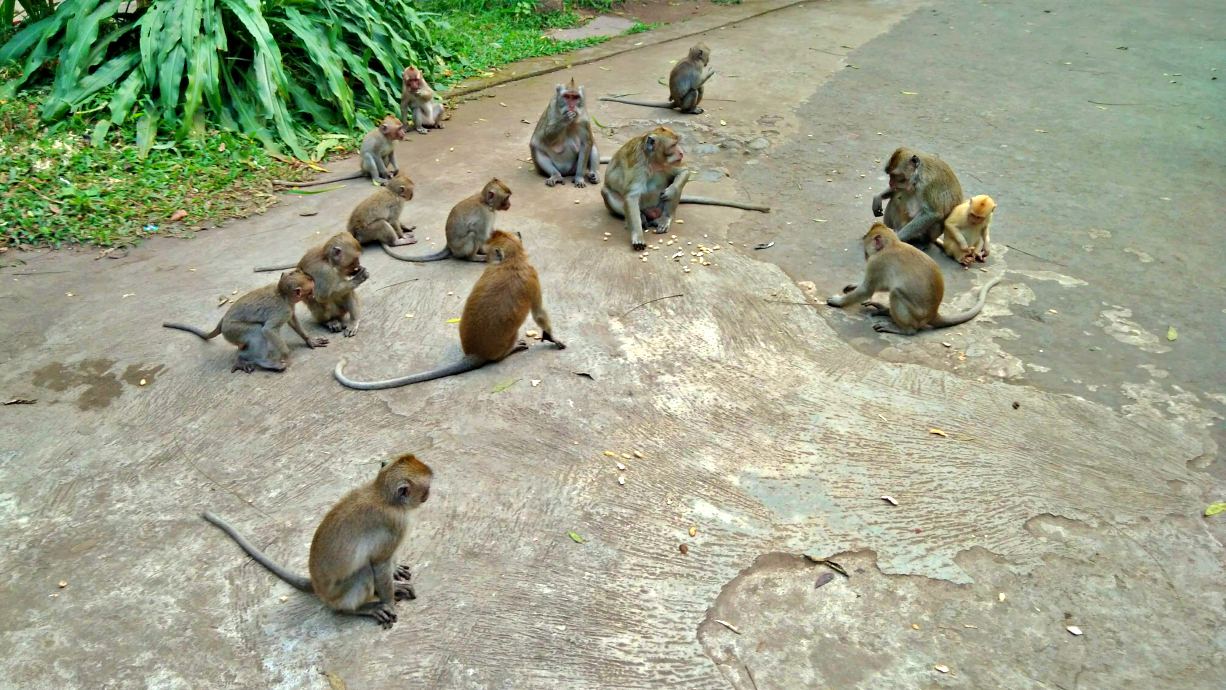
x=102, y=386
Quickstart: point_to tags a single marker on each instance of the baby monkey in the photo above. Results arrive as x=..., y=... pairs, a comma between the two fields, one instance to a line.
x=685, y=83
x=417, y=97
x=966, y=230
x=377, y=153
x=351, y=555
x=377, y=217
x=913, y=280
x=254, y=322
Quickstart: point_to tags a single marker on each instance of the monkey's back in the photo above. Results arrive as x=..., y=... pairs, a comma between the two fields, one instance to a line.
x=496, y=308
x=913, y=270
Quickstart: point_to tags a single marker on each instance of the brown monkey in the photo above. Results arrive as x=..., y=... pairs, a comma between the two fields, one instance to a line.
x=685, y=83
x=254, y=321
x=377, y=152
x=469, y=224
x=913, y=281
x=644, y=183
x=377, y=217
x=923, y=190
x=562, y=144
x=966, y=230
x=417, y=96
x=336, y=267
x=489, y=326
x=351, y=555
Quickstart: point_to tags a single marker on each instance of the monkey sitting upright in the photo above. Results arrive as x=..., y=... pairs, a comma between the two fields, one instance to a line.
x=923, y=189
x=417, y=97
x=469, y=225
x=489, y=327
x=685, y=83
x=351, y=564
x=377, y=217
x=966, y=230
x=377, y=152
x=562, y=144
x=913, y=280
x=254, y=322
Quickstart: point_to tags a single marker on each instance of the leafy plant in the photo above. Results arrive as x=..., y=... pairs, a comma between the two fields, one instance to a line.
x=277, y=71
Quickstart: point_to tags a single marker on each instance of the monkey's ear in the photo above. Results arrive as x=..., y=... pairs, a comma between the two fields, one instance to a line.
x=915, y=161
x=498, y=255
x=650, y=143
x=559, y=90
x=403, y=489
x=520, y=235
x=405, y=74
x=878, y=242
x=336, y=254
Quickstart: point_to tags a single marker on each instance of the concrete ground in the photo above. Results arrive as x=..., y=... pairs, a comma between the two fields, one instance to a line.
x=1078, y=446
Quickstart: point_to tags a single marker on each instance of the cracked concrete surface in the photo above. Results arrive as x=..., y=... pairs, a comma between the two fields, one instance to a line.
x=772, y=427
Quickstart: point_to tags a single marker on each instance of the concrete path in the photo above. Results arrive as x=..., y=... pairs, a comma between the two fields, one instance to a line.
x=1077, y=446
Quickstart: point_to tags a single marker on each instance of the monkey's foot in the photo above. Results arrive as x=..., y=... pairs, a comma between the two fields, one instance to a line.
x=876, y=308
x=891, y=327
x=383, y=614
x=580, y=183
x=557, y=343
x=407, y=239
x=592, y=178
x=638, y=246
x=402, y=573
x=351, y=331
x=243, y=365
x=273, y=366
x=983, y=256
x=317, y=342
x=335, y=326
x=519, y=347
x=403, y=591
x=554, y=180
x=421, y=130
x=662, y=225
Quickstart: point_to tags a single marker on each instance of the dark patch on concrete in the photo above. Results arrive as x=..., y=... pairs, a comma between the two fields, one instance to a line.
x=101, y=386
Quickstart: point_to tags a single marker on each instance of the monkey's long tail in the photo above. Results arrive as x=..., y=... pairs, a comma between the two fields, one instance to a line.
x=297, y=581
x=196, y=331
x=264, y=269
x=947, y=321
x=708, y=201
x=627, y=101
x=315, y=183
x=469, y=363
x=444, y=253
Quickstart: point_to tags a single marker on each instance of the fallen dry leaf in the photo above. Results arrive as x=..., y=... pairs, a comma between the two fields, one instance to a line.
x=178, y=215
x=20, y=401
x=890, y=500
x=728, y=625
x=937, y=432
x=335, y=682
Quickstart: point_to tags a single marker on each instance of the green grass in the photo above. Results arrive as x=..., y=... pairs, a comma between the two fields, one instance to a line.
x=57, y=189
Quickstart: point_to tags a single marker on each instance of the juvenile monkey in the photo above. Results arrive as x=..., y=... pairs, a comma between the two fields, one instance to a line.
x=489, y=326
x=923, y=190
x=469, y=225
x=377, y=152
x=644, y=183
x=416, y=95
x=351, y=567
x=913, y=281
x=562, y=144
x=336, y=267
x=966, y=230
x=254, y=322
x=685, y=83
x=377, y=217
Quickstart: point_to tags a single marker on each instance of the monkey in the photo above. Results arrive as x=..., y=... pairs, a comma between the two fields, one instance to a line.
x=469, y=225
x=350, y=563
x=489, y=325
x=336, y=267
x=563, y=143
x=966, y=230
x=923, y=190
x=644, y=182
x=685, y=83
x=254, y=321
x=377, y=217
x=416, y=95
x=913, y=280
x=377, y=152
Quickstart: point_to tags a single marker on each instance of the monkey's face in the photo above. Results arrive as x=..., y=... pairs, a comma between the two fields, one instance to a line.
x=412, y=78
x=570, y=102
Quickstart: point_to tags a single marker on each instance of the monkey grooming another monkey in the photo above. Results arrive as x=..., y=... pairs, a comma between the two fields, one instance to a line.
x=417, y=96
x=562, y=144
x=350, y=564
x=966, y=230
x=685, y=83
x=377, y=152
x=377, y=217
x=644, y=183
x=489, y=326
x=913, y=280
x=923, y=190
x=469, y=225
x=254, y=322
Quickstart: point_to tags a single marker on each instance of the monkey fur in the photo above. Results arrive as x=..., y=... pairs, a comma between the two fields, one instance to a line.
x=336, y=267
x=562, y=144
x=417, y=97
x=966, y=230
x=469, y=225
x=923, y=189
x=377, y=217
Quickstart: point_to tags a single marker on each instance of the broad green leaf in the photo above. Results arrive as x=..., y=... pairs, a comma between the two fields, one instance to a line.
x=125, y=96
x=99, y=136
x=146, y=132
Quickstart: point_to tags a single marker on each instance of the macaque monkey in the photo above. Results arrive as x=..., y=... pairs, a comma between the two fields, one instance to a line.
x=644, y=183
x=489, y=326
x=923, y=190
x=416, y=95
x=685, y=83
x=966, y=230
x=336, y=267
x=469, y=225
x=350, y=564
x=913, y=280
x=562, y=144
x=377, y=217
x=254, y=322
x=377, y=152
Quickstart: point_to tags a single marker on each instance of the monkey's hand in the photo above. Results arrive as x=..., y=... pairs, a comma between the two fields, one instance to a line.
x=317, y=342
x=421, y=130
x=384, y=615
x=554, y=180
x=670, y=193
x=592, y=177
x=983, y=255
x=877, y=212
x=579, y=182
x=360, y=277
x=402, y=591
x=243, y=366
x=403, y=573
